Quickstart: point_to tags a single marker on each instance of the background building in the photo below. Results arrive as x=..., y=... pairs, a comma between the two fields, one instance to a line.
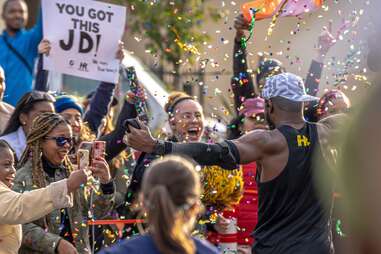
x=292, y=42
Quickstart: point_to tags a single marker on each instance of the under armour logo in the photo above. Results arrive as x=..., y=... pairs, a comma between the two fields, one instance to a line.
x=303, y=141
x=83, y=66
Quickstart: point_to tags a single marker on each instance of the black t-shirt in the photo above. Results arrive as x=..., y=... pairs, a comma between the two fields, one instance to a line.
x=291, y=215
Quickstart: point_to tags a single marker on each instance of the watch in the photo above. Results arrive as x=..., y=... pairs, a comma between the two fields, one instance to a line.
x=159, y=148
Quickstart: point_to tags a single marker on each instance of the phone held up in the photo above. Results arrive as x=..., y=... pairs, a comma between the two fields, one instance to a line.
x=89, y=151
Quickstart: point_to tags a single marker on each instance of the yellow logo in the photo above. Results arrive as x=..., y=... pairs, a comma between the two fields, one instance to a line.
x=303, y=141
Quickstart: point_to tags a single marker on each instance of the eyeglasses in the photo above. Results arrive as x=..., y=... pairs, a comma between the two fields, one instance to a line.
x=39, y=96
x=61, y=141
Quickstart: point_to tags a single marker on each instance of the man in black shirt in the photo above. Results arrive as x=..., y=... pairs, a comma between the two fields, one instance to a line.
x=292, y=217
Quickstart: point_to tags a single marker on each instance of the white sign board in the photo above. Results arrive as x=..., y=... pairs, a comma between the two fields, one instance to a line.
x=84, y=36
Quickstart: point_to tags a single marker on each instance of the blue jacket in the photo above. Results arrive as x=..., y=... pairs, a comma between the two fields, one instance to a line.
x=145, y=244
x=17, y=76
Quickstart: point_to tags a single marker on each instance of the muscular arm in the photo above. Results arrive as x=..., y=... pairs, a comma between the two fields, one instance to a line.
x=250, y=147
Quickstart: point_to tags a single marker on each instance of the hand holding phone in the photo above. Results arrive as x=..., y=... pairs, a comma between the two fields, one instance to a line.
x=131, y=122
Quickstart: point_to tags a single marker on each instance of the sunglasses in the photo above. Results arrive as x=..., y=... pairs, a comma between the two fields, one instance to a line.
x=61, y=141
x=39, y=96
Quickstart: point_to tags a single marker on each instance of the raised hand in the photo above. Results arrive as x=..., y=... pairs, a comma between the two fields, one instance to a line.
x=140, y=139
x=327, y=39
x=76, y=179
x=120, y=54
x=44, y=47
x=101, y=170
x=222, y=224
x=240, y=25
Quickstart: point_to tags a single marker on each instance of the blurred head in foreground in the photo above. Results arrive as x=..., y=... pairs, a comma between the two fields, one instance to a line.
x=360, y=176
x=171, y=198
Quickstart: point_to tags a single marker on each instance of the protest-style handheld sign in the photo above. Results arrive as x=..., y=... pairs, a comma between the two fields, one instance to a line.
x=84, y=36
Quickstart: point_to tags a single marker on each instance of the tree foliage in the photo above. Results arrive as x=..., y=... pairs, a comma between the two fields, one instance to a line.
x=171, y=29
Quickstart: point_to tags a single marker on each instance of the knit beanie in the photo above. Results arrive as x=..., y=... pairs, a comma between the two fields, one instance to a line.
x=66, y=102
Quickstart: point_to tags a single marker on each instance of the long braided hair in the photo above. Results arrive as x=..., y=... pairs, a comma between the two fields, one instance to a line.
x=41, y=127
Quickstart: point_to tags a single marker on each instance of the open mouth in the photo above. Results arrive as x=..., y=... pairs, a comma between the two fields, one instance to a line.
x=9, y=180
x=193, y=132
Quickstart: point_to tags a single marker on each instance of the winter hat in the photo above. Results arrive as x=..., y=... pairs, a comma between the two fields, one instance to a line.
x=66, y=102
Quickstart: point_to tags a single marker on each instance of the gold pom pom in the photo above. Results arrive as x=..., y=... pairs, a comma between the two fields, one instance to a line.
x=222, y=188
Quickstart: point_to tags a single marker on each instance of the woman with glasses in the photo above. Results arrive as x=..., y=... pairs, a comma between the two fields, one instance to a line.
x=27, y=109
x=45, y=161
x=186, y=120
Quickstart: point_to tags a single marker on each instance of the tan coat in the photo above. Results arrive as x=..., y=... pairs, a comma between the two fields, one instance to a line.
x=17, y=209
x=6, y=111
x=44, y=239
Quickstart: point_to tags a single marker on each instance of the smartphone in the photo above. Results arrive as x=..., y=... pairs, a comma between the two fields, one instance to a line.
x=99, y=150
x=131, y=122
x=86, y=146
x=83, y=159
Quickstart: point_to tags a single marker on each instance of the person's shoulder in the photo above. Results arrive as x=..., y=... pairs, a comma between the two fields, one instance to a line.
x=135, y=245
x=3, y=187
x=267, y=138
x=9, y=107
x=23, y=179
x=9, y=137
x=24, y=172
x=204, y=247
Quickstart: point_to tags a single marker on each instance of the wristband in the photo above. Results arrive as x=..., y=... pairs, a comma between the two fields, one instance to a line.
x=162, y=148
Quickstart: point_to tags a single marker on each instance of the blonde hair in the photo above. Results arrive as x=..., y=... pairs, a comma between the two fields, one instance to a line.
x=171, y=189
x=86, y=135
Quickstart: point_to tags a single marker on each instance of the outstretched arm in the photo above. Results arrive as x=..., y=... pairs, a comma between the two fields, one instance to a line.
x=20, y=208
x=227, y=154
